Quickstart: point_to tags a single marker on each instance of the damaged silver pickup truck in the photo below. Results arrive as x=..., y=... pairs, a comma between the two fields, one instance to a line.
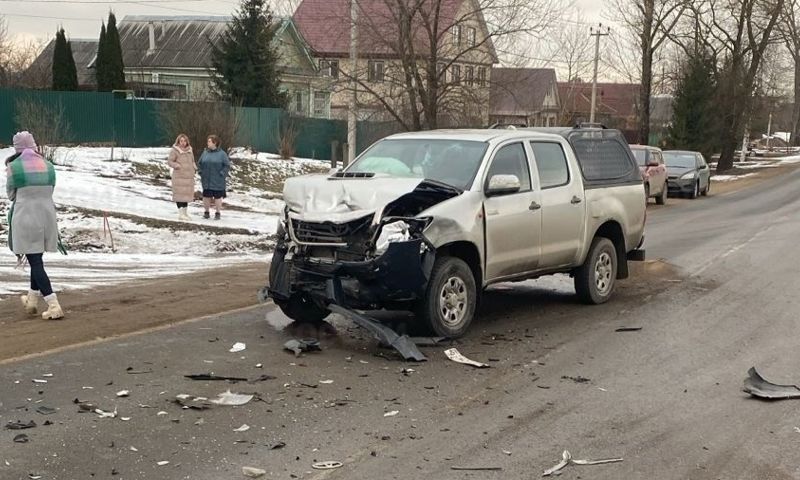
x=424, y=222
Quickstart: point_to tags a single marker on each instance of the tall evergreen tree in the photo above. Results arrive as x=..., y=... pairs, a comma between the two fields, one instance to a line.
x=694, y=118
x=65, y=74
x=109, y=67
x=101, y=63
x=245, y=60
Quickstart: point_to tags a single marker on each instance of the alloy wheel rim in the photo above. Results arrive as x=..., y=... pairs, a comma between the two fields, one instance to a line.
x=453, y=301
x=603, y=271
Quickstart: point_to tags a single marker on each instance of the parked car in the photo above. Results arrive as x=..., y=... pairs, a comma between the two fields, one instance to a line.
x=426, y=221
x=689, y=173
x=654, y=172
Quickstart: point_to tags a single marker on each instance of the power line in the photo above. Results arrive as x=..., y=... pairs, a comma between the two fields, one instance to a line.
x=105, y=2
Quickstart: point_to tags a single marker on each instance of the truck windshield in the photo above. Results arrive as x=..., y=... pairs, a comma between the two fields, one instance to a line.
x=680, y=160
x=453, y=162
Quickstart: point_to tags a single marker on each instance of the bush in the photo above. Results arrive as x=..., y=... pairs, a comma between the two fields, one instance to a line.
x=48, y=125
x=198, y=120
x=288, y=139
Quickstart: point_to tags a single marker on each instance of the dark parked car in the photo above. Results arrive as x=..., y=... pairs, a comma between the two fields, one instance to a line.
x=688, y=173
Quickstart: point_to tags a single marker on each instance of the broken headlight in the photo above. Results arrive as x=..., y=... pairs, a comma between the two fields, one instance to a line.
x=398, y=231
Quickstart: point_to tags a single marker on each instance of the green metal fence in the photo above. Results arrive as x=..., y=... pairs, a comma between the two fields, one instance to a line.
x=102, y=118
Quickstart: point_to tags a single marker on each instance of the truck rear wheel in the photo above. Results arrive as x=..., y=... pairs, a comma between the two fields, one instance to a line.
x=451, y=298
x=596, y=278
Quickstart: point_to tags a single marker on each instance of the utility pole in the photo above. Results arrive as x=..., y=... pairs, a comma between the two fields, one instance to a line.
x=597, y=33
x=352, y=119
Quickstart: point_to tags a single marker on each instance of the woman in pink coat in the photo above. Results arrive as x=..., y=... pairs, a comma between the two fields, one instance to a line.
x=181, y=160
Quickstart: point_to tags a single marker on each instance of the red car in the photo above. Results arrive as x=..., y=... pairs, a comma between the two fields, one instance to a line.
x=654, y=172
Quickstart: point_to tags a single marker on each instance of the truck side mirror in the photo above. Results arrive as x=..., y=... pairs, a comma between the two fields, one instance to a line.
x=503, y=185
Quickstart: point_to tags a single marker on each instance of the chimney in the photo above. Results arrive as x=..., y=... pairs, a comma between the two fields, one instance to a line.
x=152, y=32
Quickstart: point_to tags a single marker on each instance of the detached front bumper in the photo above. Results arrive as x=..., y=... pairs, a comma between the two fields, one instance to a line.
x=393, y=280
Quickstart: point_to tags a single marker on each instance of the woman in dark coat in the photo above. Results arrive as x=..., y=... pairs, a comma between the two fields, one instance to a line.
x=214, y=166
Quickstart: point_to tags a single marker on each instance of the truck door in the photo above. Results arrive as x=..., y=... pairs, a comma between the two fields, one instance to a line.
x=513, y=219
x=563, y=205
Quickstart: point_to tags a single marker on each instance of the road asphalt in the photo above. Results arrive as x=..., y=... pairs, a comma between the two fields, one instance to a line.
x=667, y=399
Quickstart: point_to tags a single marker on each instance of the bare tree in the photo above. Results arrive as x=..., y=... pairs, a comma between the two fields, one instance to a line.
x=789, y=29
x=738, y=33
x=440, y=53
x=651, y=22
x=16, y=58
x=573, y=49
x=48, y=124
x=197, y=120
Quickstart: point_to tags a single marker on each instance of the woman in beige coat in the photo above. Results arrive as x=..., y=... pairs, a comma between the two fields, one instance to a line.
x=181, y=160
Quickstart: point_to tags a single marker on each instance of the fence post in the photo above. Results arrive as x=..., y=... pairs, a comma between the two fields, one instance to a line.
x=345, y=152
x=334, y=153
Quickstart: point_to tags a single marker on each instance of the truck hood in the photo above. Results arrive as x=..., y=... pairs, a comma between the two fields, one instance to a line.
x=322, y=198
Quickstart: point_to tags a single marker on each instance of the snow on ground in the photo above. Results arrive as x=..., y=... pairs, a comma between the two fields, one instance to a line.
x=131, y=187
x=730, y=178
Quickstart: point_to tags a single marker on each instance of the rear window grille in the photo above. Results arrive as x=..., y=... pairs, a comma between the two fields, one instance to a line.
x=602, y=159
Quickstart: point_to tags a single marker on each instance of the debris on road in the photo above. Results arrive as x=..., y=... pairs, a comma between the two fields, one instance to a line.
x=578, y=379
x=454, y=355
x=104, y=414
x=37, y=380
x=326, y=382
x=133, y=449
x=477, y=469
x=123, y=393
x=757, y=386
x=263, y=378
x=210, y=377
x=302, y=345
x=131, y=371
x=47, y=375
x=252, y=472
x=382, y=333
x=243, y=428
x=393, y=413
x=328, y=465
x=565, y=459
x=161, y=464
x=428, y=341
x=238, y=347
x=628, y=329
x=189, y=401
x=21, y=438
x=507, y=452
x=45, y=410
x=276, y=446
x=232, y=399
x=19, y=425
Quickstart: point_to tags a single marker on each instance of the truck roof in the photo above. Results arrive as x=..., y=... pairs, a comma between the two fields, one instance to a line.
x=475, y=135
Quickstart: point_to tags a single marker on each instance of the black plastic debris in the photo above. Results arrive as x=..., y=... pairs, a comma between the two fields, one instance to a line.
x=131, y=371
x=210, y=377
x=263, y=378
x=21, y=438
x=302, y=345
x=45, y=410
x=578, y=379
x=19, y=425
x=382, y=333
x=628, y=329
x=757, y=386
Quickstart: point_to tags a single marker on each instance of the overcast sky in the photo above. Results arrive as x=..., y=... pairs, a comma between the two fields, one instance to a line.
x=39, y=19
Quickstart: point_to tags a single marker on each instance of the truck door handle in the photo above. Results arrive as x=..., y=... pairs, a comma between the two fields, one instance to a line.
x=576, y=200
x=534, y=206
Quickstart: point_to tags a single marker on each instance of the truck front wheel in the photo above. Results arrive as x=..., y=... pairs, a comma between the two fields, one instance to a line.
x=451, y=298
x=595, y=279
x=303, y=310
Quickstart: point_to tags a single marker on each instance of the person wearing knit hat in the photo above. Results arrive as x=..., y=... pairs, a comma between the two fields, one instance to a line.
x=30, y=181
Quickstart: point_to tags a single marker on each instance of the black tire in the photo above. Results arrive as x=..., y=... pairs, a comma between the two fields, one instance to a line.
x=696, y=192
x=662, y=199
x=708, y=188
x=599, y=268
x=451, y=298
x=303, y=310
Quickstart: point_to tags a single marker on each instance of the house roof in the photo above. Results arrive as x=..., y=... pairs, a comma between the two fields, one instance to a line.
x=618, y=100
x=83, y=52
x=181, y=41
x=325, y=24
x=520, y=91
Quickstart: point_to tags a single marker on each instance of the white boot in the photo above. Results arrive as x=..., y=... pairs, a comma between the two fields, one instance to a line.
x=31, y=302
x=185, y=214
x=54, y=311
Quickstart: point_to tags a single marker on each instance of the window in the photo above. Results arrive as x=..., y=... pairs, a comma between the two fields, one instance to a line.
x=455, y=72
x=376, y=71
x=657, y=157
x=511, y=160
x=329, y=68
x=482, y=76
x=602, y=159
x=457, y=35
x=321, y=100
x=469, y=75
x=298, y=102
x=155, y=77
x=551, y=163
x=470, y=37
